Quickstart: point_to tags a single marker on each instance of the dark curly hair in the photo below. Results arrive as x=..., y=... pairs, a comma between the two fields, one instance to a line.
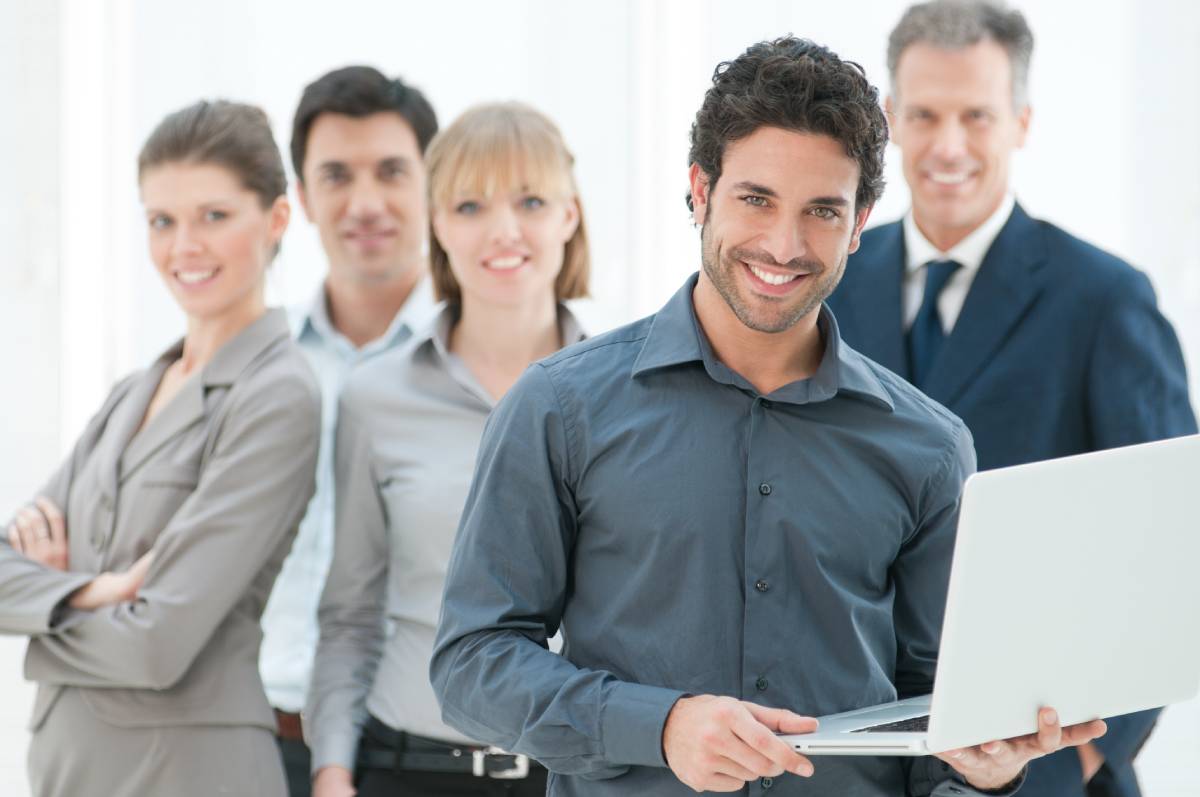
x=797, y=85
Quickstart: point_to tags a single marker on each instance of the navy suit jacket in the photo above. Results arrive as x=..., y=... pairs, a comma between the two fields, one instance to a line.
x=1059, y=349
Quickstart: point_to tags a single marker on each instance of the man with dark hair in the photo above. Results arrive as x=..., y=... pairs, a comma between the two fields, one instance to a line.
x=1044, y=345
x=724, y=507
x=358, y=140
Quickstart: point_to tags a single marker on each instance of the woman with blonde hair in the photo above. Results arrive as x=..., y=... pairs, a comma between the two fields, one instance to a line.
x=508, y=247
x=142, y=568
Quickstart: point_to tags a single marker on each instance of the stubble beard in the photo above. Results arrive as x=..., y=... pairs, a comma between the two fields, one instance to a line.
x=723, y=276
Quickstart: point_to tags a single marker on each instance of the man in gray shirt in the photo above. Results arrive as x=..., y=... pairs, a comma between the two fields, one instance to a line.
x=724, y=507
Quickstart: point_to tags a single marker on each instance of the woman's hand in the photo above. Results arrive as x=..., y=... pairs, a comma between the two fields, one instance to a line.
x=107, y=589
x=39, y=532
x=334, y=781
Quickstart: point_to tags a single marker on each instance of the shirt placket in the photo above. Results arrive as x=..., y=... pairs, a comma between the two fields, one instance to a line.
x=761, y=630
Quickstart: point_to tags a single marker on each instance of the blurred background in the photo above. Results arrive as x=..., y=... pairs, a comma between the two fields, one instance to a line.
x=1113, y=156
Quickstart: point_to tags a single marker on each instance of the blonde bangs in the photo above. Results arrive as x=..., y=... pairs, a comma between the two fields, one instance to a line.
x=497, y=148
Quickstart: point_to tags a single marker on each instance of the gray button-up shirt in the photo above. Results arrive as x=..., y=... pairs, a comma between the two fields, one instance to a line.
x=691, y=536
x=408, y=431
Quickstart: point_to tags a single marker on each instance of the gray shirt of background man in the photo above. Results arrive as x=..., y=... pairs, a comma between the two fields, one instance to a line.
x=692, y=536
x=408, y=432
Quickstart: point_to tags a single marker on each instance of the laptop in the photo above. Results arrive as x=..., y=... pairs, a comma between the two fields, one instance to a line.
x=1075, y=583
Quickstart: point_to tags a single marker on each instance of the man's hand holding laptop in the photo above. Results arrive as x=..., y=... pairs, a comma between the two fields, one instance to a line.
x=993, y=765
x=719, y=744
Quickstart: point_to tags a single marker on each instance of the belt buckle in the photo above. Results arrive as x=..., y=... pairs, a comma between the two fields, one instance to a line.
x=519, y=769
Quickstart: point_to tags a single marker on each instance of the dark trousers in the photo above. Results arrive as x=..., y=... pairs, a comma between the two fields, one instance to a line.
x=297, y=760
x=385, y=783
x=376, y=782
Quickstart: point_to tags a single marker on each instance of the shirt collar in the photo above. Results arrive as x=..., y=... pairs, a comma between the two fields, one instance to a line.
x=239, y=351
x=435, y=334
x=675, y=338
x=969, y=252
x=414, y=314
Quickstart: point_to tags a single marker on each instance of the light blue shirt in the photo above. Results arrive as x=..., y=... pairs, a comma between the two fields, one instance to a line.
x=290, y=621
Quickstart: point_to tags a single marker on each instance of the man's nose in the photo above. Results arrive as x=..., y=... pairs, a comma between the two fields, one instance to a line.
x=366, y=200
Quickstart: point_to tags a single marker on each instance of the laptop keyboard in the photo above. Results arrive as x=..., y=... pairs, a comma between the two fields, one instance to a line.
x=913, y=725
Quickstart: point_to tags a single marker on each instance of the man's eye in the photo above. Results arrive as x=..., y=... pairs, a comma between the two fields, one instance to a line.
x=755, y=201
x=215, y=215
x=160, y=222
x=825, y=213
x=468, y=208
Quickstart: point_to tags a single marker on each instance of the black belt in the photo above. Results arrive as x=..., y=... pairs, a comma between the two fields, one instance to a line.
x=384, y=747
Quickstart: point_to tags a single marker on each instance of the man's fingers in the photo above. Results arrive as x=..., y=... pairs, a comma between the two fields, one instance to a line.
x=54, y=518
x=964, y=758
x=1084, y=732
x=781, y=720
x=761, y=738
x=734, y=768
x=1049, y=735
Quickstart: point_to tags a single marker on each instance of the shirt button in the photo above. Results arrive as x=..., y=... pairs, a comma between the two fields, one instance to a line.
x=761, y=585
x=106, y=502
x=768, y=782
x=761, y=684
x=766, y=405
x=764, y=489
x=97, y=541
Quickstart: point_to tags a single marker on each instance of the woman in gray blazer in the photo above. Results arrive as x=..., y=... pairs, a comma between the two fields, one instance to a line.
x=141, y=569
x=508, y=246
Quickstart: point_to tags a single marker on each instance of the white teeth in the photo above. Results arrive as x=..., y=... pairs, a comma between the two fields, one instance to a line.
x=192, y=277
x=948, y=178
x=773, y=279
x=505, y=262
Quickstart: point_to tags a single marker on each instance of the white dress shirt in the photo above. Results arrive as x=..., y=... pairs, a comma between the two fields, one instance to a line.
x=290, y=620
x=968, y=253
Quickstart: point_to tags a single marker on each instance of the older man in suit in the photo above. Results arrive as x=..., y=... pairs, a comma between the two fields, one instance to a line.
x=1043, y=344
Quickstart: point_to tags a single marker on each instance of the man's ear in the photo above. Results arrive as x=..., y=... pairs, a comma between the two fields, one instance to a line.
x=860, y=221
x=1023, y=118
x=699, y=185
x=889, y=113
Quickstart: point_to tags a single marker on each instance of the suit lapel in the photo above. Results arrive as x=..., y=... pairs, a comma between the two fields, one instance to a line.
x=184, y=410
x=123, y=424
x=1008, y=282
x=877, y=305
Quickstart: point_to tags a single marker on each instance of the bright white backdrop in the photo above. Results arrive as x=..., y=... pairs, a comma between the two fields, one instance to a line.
x=1114, y=156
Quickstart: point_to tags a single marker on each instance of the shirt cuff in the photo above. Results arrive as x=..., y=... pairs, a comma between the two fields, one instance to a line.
x=632, y=723
x=334, y=750
x=957, y=787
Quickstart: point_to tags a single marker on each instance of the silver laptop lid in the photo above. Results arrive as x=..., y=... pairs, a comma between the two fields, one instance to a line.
x=1076, y=584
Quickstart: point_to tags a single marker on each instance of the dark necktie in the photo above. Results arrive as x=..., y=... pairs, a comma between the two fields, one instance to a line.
x=926, y=336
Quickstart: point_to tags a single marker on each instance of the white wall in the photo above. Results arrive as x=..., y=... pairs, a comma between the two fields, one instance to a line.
x=1114, y=156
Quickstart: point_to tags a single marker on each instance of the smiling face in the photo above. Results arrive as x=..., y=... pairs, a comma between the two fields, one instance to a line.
x=210, y=238
x=953, y=119
x=364, y=188
x=778, y=225
x=506, y=247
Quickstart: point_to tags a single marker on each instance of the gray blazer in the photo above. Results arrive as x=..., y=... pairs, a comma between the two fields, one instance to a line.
x=216, y=484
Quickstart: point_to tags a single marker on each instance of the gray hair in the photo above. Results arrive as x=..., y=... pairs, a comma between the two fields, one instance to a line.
x=954, y=24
